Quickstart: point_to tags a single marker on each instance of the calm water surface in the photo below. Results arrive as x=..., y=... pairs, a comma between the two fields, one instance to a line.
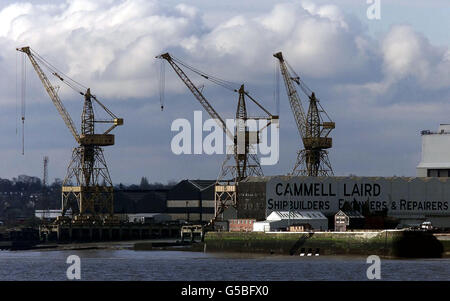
x=180, y=265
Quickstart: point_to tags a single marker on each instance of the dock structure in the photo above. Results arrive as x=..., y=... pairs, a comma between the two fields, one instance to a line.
x=191, y=231
x=106, y=232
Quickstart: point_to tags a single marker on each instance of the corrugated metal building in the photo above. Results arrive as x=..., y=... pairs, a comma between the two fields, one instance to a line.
x=252, y=198
x=282, y=220
x=140, y=201
x=192, y=200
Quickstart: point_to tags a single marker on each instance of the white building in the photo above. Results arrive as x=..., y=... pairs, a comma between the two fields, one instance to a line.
x=48, y=214
x=435, y=153
x=280, y=220
x=148, y=217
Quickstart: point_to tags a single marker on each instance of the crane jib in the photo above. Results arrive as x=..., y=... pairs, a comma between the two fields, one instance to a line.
x=84, y=139
x=52, y=93
x=198, y=95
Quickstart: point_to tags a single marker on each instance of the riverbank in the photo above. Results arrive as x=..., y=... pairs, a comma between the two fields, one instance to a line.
x=390, y=243
x=383, y=243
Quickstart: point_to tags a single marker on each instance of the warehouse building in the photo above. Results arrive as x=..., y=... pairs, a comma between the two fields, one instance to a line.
x=435, y=160
x=140, y=201
x=192, y=201
x=284, y=220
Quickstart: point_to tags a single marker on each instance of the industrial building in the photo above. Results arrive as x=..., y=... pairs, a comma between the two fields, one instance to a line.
x=192, y=201
x=435, y=160
x=241, y=225
x=140, y=201
x=283, y=220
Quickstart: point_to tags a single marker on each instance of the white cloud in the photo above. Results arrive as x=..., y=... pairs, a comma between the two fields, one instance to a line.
x=110, y=45
x=407, y=53
x=98, y=42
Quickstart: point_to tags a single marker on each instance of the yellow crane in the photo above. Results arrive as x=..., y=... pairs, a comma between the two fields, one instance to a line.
x=87, y=188
x=314, y=127
x=246, y=162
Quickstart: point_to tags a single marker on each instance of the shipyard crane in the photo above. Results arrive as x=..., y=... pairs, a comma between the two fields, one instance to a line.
x=87, y=188
x=314, y=127
x=246, y=162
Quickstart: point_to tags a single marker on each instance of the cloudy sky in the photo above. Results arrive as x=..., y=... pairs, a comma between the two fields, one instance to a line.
x=381, y=81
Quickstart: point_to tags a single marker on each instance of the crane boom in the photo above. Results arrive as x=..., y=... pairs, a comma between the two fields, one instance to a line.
x=294, y=99
x=198, y=95
x=52, y=93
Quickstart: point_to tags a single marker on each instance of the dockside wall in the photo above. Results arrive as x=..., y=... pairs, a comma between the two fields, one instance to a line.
x=383, y=243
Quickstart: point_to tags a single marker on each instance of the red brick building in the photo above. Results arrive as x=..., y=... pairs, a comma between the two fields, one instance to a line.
x=241, y=225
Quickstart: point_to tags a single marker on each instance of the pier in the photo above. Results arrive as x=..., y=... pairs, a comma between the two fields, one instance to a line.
x=105, y=232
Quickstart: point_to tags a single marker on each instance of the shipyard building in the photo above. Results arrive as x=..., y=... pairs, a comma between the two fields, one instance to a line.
x=192, y=201
x=380, y=201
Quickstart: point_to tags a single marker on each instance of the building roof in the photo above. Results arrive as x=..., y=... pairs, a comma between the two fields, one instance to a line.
x=296, y=215
x=191, y=190
x=202, y=184
x=351, y=213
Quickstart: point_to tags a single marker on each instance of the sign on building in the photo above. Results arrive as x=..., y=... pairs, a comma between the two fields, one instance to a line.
x=396, y=196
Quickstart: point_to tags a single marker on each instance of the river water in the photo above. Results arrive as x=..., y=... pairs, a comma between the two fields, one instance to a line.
x=185, y=266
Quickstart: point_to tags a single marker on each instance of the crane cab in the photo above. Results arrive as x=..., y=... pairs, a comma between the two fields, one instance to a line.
x=328, y=125
x=317, y=142
x=97, y=140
